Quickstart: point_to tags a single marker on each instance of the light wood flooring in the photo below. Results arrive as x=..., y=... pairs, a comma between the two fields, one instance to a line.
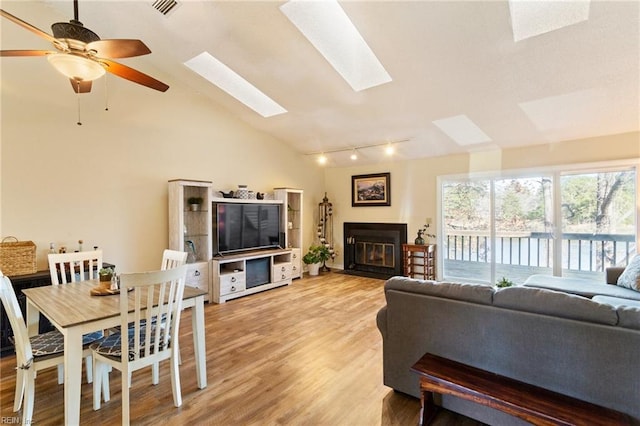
x=306, y=354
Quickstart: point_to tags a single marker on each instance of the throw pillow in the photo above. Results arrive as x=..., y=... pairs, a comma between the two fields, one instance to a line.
x=630, y=277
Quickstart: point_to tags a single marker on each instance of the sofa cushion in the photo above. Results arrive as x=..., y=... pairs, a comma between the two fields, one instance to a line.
x=581, y=287
x=628, y=310
x=477, y=293
x=630, y=278
x=560, y=304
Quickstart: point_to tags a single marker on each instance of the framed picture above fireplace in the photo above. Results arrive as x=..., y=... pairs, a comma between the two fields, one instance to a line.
x=371, y=190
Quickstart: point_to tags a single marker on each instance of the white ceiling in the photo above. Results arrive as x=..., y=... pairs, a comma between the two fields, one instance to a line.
x=446, y=59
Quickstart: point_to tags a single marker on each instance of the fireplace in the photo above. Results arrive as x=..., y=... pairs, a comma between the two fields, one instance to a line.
x=374, y=249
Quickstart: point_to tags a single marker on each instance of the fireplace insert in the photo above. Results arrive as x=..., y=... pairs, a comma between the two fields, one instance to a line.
x=374, y=249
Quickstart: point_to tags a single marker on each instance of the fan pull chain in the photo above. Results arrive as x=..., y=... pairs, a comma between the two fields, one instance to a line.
x=78, y=97
x=106, y=94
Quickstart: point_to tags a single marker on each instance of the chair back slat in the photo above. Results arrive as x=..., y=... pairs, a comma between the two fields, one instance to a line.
x=172, y=259
x=73, y=267
x=16, y=319
x=157, y=299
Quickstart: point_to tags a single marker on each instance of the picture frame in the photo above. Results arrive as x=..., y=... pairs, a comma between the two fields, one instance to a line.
x=371, y=190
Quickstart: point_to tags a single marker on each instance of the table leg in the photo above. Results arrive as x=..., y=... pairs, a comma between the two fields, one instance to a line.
x=429, y=409
x=197, y=323
x=72, y=375
x=33, y=320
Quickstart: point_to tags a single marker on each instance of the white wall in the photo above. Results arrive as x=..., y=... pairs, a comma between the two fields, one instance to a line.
x=413, y=183
x=106, y=181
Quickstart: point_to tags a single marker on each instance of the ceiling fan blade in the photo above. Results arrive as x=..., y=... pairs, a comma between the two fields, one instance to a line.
x=118, y=48
x=25, y=52
x=31, y=28
x=80, y=86
x=132, y=75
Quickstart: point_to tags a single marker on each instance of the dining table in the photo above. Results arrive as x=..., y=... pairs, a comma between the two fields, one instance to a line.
x=74, y=311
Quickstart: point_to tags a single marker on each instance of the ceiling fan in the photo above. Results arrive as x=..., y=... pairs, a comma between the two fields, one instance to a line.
x=83, y=57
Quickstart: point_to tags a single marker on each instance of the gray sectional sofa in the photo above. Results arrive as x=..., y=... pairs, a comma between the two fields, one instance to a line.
x=586, y=288
x=585, y=348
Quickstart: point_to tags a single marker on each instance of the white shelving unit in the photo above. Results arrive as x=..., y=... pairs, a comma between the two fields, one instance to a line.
x=292, y=225
x=190, y=230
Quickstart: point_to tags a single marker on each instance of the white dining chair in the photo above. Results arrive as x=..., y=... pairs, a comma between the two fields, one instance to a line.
x=173, y=259
x=157, y=298
x=170, y=259
x=32, y=353
x=73, y=267
x=66, y=267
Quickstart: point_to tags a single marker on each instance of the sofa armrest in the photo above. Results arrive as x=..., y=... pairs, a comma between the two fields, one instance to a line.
x=612, y=274
x=381, y=321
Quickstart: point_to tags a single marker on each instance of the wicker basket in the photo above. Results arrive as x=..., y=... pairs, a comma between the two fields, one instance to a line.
x=17, y=257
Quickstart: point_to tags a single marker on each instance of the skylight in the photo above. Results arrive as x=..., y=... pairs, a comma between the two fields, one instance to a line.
x=329, y=29
x=235, y=85
x=462, y=130
x=532, y=18
x=571, y=110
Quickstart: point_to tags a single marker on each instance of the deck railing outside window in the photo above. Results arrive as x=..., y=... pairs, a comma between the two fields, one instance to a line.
x=582, y=252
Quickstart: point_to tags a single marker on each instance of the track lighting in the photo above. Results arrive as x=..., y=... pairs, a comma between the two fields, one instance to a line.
x=389, y=150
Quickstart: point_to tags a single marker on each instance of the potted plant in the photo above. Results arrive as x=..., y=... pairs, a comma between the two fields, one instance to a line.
x=194, y=203
x=315, y=256
x=105, y=274
x=504, y=282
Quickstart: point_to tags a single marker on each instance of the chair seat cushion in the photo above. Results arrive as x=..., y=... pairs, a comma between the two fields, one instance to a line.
x=52, y=342
x=92, y=337
x=48, y=343
x=111, y=345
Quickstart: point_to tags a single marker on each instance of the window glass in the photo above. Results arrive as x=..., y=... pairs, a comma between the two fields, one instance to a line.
x=504, y=227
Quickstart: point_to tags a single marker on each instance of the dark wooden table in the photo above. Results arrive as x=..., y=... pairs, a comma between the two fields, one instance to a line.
x=533, y=404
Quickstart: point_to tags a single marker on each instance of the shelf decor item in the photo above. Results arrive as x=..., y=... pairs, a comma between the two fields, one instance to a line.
x=17, y=257
x=422, y=232
x=371, y=190
x=325, y=230
x=194, y=203
x=242, y=192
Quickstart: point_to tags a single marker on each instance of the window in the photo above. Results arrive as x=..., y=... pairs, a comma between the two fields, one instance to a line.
x=598, y=221
x=505, y=226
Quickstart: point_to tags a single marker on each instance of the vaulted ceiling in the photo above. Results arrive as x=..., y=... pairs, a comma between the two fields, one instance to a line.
x=446, y=59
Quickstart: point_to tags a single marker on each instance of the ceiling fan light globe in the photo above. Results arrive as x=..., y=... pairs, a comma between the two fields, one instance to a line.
x=76, y=67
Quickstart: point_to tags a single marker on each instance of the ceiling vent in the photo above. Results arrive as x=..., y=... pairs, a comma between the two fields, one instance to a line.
x=165, y=6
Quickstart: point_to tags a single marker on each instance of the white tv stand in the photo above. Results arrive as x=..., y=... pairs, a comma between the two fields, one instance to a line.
x=241, y=274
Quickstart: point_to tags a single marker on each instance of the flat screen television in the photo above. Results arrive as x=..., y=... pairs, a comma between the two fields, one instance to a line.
x=245, y=226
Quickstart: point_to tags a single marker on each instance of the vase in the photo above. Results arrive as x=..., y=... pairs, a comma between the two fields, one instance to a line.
x=419, y=241
x=314, y=268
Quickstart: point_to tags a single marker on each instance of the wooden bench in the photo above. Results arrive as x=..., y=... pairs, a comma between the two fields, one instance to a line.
x=530, y=403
